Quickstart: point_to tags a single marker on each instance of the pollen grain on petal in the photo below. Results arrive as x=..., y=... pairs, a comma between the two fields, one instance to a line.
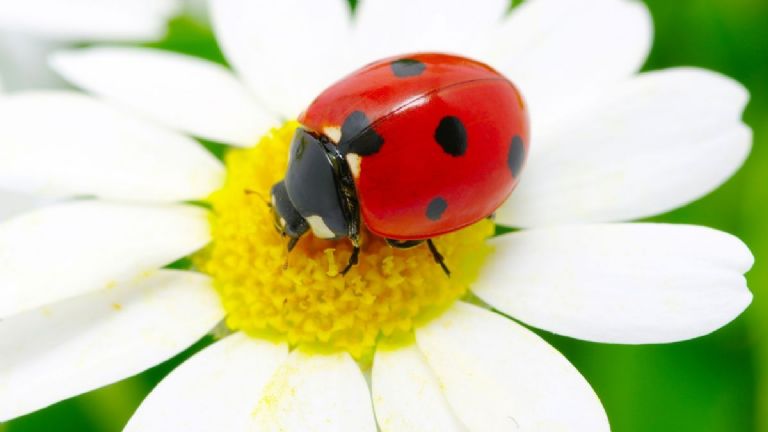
x=302, y=297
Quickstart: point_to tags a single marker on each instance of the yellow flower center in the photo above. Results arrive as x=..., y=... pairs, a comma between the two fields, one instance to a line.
x=301, y=297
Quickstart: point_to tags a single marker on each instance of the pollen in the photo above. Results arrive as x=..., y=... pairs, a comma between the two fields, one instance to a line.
x=301, y=297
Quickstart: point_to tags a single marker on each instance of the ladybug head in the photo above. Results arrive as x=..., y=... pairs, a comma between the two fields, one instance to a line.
x=317, y=192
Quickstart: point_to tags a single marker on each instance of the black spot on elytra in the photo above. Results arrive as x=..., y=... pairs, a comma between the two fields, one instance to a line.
x=406, y=67
x=357, y=136
x=436, y=208
x=452, y=136
x=516, y=156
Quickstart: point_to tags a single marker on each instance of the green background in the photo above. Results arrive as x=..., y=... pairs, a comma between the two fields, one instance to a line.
x=715, y=383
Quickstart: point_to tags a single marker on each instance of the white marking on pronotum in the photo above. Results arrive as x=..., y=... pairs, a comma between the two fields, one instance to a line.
x=319, y=228
x=333, y=133
x=354, y=164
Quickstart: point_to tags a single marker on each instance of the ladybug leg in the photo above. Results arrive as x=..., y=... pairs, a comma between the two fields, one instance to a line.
x=292, y=243
x=438, y=257
x=404, y=244
x=353, y=259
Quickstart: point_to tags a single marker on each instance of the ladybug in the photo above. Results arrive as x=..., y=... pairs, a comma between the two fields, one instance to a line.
x=413, y=146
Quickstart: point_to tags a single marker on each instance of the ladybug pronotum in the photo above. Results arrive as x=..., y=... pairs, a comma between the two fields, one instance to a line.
x=413, y=146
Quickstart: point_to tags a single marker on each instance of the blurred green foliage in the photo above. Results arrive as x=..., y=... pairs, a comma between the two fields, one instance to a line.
x=717, y=383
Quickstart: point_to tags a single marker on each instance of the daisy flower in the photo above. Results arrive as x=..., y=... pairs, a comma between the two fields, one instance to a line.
x=87, y=298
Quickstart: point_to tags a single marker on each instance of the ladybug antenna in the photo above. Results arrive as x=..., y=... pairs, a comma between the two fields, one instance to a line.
x=258, y=194
x=438, y=257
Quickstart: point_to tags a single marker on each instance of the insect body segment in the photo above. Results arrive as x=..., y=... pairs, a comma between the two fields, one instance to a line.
x=413, y=147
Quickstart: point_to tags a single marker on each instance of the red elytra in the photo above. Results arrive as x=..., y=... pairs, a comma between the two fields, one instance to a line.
x=441, y=141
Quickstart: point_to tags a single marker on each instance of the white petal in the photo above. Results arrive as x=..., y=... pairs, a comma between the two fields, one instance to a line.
x=12, y=204
x=64, y=144
x=66, y=250
x=316, y=393
x=499, y=376
x=407, y=395
x=197, y=9
x=623, y=283
x=59, y=351
x=288, y=51
x=182, y=92
x=89, y=19
x=216, y=390
x=24, y=62
x=391, y=27
x=558, y=51
x=659, y=141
